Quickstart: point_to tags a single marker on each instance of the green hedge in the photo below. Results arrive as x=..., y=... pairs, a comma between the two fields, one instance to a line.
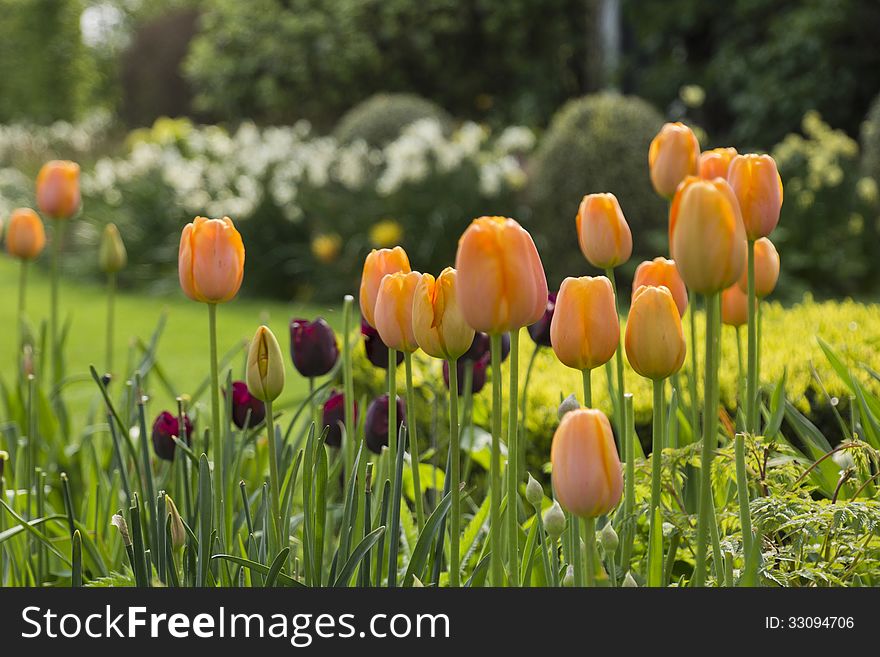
x=381, y=118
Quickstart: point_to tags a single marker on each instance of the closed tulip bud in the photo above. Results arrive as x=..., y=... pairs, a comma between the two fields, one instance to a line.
x=376, y=423
x=585, y=330
x=481, y=347
x=501, y=281
x=766, y=269
x=243, y=404
x=540, y=330
x=673, y=156
x=313, y=347
x=25, y=236
x=333, y=417
x=534, y=492
x=265, y=366
x=554, y=520
x=585, y=468
x=629, y=582
x=376, y=350
x=603, y=233
x=58, y=189
x=111, y=252
x=568, y=578
x=608, y=538
x=716, y=163
x=178, y=533
x=378, y=263
x=210, y=261
x=662, y=271
x=478, y=374
x=758, y=188
x=568, y=405
x=734, y=306
x=706, y=235
x=165, y=426
x=655, y=344
x=394, y=310
x=437, y=322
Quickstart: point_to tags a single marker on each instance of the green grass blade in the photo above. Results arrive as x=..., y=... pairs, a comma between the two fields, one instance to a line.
x=423, y=545
x=360, y=551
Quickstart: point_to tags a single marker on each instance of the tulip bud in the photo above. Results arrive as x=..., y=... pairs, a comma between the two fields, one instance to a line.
x=394, y=310
x=568, y=578
x=376, y=350
x=673, y=155
x=608, y=538
x=25, y=236
x=377, y=264
x=554, y=520
x=313, y=347
x=437, y=322
x=481, y=347
x=716, y=163
x=585, y=331
x=165, y=426
x=629, y=582
x=766, y=269
x=111, y=252
x=603, y=233
x=501, y=281
x=4, y=456
x=178, y=533
x=734, y=306
x=243, y=402
x=706, y=235
x=758, y=188
x=210, y=261
x=568, y=404
x=478, y=374
x=265, y=366
x=58, y=189
x=534, y=492
x=585, y=468
x=661, y=271
x=376, y=427
x=119, y=522
x=655, y=345
x=540, y=330
x=333, y=417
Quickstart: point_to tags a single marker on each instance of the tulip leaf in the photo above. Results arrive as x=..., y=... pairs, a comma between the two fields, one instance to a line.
x=423, y=545
x=359, y=552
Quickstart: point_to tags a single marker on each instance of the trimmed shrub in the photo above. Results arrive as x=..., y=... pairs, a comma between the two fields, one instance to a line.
x=381, y=118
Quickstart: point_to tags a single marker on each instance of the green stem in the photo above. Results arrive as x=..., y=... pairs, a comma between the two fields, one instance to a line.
x=348, y=373
x=216, y=442
x=274, y=485
x=588, y=387
x=710, y=431
x=629, y=485
x=57, y=235
x=415, y=459
x=575, y=540
x=742, y=487
x=752, y=380
x=111, y=302
x=22, y=291
x=523, y=410
x=454, y=467
x=495, y=568
x=695, y=372
x=618, y=357
x=512, y=467
x=392, y=412
x=759, y=321
x=590, y=540
x=656, y=458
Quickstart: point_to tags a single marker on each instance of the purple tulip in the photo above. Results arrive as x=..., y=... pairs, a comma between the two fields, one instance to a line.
x=376, y=428
x=242, y=402
x=165, y=426
x=313, y=347
x=479, y=375
x=377, y=351
x=334, y=417
x=540, y=330
x=482, y=346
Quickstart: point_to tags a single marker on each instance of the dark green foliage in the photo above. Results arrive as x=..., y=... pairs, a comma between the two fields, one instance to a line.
x=870, y=141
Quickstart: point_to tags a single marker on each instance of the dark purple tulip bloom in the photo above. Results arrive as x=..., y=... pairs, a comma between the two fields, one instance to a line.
x=377, y=351
x=479, y=378
x=313, y=347
x=482, y=346
x=242, y=402
x=540, y=330
x=376, y=428
x=165, y=426
x=334, y=417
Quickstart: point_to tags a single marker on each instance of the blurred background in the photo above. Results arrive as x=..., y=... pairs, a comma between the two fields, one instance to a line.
x=325, y=128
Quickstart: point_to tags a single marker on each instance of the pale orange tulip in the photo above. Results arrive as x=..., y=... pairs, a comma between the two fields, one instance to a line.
x=438, y=324
x=758, y=188
x=584, y=331
x=662, y=271
x=394, y=310
x=377, y=264
x=25, y=236
x=210, y=262
x=674, y=154
x=58, y=193
x=654, y=341
x=603, y=234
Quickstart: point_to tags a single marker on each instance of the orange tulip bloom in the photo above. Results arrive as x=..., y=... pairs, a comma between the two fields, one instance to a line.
x=716, y=163
x=501, y=281
x=766, y=269
x=758, y=188
x=603, y=233
x=585, y=467
x=58, y=189
x=437, y=321
x=674, y=154
x=655, y=345
x=210, y=262
x=706, y=235
x=378, y=263
x=584, y=331
x=394, y=310
x=25, y=237
x=734, y=306
x=662, y=271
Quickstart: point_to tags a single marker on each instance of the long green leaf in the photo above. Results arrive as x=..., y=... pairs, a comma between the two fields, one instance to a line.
x=258, y=567
x=423, y=545
x=359, y=552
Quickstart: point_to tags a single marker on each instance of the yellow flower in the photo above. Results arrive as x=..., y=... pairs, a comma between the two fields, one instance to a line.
x=326, y=247
x=386, y=233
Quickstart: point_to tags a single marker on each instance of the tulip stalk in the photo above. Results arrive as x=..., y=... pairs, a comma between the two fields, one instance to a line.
x=619, y=360
x=216, y=442
x=455, y=474
x=590, y=540
x=415, y=459
x=629, y=485
x=22, y=292
x=656, y=460
x=57, y=237
x=495, y=567
x=695, y=376
x=348, y=374
x=752, y=375
x=111, y=302
x=512, y=460
x=742, y=487
x=274, y=485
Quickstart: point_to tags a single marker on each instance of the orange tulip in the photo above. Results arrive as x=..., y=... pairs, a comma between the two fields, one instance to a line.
x=662, y=271
x=585, y=468
x=584, y=331
x=58, y=189
x=210, y=262
x=501, y=281
x=706, y=235
x=716, y=163
x=674, y=154
x=758, y=188
x=766, y=269
x=378, y=263
x=394, y=310
x=734, y=306
x=603, y=233
x=654, y=342
x=437, y=321
x=25, y=237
